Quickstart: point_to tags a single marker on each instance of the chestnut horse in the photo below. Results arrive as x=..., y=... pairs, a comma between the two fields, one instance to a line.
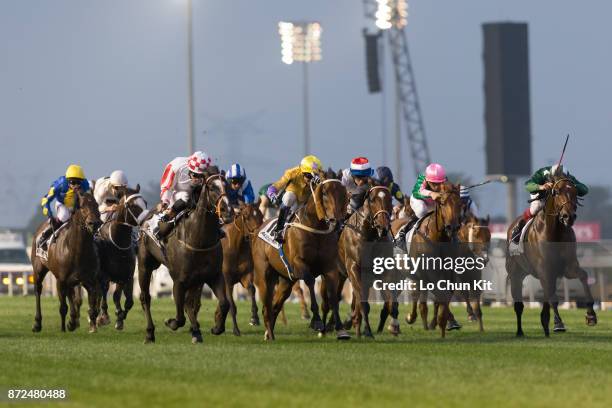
x=435, y=237
x=370, y=224
x=549, y=254
x=72, y=258
x=194, y=256
x=237, y=258
x=118, y=254
x=310, y=248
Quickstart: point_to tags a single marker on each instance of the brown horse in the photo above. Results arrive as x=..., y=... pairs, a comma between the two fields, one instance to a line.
x=371, y=223
x=310, y=249
x=118, y=254
x=73, y=260
x=549, y=254
x=436, y=237
x=194, y=256
x=237, y=258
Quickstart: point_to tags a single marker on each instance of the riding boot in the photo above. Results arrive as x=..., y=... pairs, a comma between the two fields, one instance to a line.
x=44, y=236
x=280, y=224
x=165, y=226
x=400, y=241
x=516, y=231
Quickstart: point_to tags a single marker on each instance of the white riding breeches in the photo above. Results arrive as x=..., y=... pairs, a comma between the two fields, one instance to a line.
x=290, y=200
x=179, y=195
x=62, y=213
x=420, y=207
x=535, y=205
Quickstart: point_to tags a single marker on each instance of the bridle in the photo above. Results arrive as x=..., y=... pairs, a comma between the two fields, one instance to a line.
x=438, y=204
x=381, y=211
x=554, y=192
x=314, y=196
x=136, y=219
x=249, y=232
x=217, y=204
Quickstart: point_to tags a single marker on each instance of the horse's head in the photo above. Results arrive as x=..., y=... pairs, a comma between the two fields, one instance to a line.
x=215, y=197
x=378, y=202
x=330, y=200
x=132, y=208
x=87, y=213
x=448, y=209
x=251, y=219
x=563, y=199
x=476, y=233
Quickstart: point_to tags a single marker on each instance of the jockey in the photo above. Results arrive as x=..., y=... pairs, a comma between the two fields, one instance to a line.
x=266, y=206
x=384, y=177
x=295, y=183
x=63, y=191
x=357, y=180
x=108, y=191
x=181, y=177
x=240, y=188
x=539, y=182
x=468, y=205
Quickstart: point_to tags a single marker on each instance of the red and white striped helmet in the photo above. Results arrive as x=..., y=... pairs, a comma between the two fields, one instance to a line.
x=199, y=162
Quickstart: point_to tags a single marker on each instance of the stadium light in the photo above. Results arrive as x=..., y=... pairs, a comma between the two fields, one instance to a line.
x=390, y=13
x=301, y=42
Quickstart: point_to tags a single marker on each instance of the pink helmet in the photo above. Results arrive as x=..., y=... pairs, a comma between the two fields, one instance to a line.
x=199, y=162
x=435, y=173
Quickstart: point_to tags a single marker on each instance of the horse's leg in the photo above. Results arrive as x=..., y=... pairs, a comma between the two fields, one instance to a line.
x=545, y=318
x=316, y=324
x=434, y=319
x=192, y=307
x=254, y=312
x=229, y=289
x=39, y=276
x=302, y=299
x=265, y=282
x=324, y=301
x=412, y=315
x=423, y=311
x=78, y=301
x=516, y=288
x=146, y=265
x=384, y=313
x=72, y=323
x=282, y=292
x=476, y=309
x=393, y=307
x=558, y=322
x=178, y=291
x=471, y=315
x=223, y=305
x=63, y=307
x=93, y=299
x=444, y=310
x=591, y=316
x=103, y=318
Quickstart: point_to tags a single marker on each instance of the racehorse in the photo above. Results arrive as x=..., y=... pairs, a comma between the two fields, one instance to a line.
x=370, y=224
x=194, y=256
x=310, y=250
x=237, y=258
x=72, y=259
x=118, y=254
x=549, y=253
x=435, y=238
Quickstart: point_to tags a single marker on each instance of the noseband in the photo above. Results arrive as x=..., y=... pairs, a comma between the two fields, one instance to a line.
x=217, y=203
x=553, y=192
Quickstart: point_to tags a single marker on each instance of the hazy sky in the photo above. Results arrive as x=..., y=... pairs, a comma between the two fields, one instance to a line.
x=103, y=83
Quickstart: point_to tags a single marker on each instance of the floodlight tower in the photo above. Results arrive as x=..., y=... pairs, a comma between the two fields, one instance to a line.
x=301, y=42
x=391, y=16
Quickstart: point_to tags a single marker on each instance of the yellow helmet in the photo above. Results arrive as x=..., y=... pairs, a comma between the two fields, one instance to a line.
x=75, y=171
x=311, y=164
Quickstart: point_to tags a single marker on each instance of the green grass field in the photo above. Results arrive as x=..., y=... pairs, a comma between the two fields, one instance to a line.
x=417, y=368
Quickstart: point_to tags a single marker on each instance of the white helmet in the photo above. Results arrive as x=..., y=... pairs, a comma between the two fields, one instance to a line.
x=118, y=179
x=199, y=162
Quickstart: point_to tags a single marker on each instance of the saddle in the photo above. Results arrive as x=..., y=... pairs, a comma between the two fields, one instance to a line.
x=408, y=231
x=42, y=246
x=517, y=249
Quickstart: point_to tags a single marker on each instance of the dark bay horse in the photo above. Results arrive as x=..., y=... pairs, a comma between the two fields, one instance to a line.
x=310, y=248
x=73, y=260
x=237, y=257
x=118, y=254
x=194, y=256
x=435, y=238
x=369, y=224
x=549, y=254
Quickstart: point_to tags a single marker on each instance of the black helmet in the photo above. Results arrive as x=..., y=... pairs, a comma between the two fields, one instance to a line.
x=384, y=175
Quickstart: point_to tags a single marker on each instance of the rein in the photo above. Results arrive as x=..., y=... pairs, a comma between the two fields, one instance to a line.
x=331, y=227
x=549, y=195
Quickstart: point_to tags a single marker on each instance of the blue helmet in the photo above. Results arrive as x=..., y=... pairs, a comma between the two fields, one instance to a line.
x=236, y=171
x=384, y=175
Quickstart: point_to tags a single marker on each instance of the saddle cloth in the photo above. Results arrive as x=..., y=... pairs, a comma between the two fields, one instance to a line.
x=517, y=249
x=410, y=233
x=265, y=233
x=40, y=252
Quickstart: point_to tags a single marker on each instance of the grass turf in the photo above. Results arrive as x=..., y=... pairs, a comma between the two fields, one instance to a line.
x=417, y=368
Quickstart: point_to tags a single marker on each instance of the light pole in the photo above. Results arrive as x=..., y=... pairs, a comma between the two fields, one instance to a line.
x=190, y=105
x=301, y=42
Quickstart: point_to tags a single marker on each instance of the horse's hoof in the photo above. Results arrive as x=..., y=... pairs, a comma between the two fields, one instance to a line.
x=119, y=325
x=196, y=338
x=559, y=327
x=343, y=335
x=36, y=327
x=71, y=326
x=472, y=318
x=237, y=333
x=320, y=335
x=318, y=326
x=368, y=334
x=103, y=320
x=93, y=329
x=217, y=331
x=173, y=324
x=149, y=340
x=394, y=330
x=591, y=320
x=254, y=321
x=348, y=324
x=453, y=325
x=410, y=319
x=268, y=336
x=520, y=334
